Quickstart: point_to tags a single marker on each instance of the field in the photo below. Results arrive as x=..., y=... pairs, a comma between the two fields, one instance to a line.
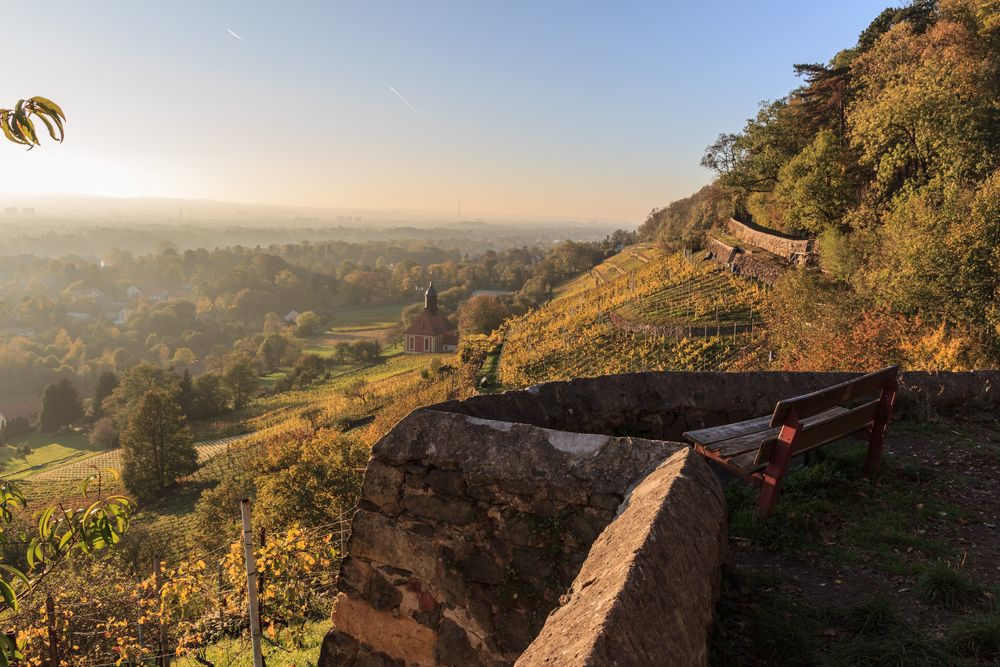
x=48, y=451
x=661, y=312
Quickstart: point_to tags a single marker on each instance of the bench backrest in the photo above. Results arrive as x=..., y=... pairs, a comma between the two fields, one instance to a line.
x=841, y=394
x=835, y=426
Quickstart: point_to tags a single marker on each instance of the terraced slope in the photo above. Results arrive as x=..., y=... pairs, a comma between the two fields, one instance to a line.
x=662, y=312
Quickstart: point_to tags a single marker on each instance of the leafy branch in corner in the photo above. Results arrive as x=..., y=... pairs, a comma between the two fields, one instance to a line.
x=61, y=531
x=18, y=124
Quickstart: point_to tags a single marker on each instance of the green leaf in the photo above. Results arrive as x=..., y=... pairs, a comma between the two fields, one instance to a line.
x=48, y=126
x=8, y=595
x=49, y=106
x=16, y=573
x=8, y=128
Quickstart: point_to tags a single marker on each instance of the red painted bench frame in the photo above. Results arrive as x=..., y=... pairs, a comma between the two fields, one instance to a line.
x=789, y=440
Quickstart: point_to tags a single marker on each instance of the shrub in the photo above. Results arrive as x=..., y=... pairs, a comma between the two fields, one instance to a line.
x=104, y=435
x=945, y=587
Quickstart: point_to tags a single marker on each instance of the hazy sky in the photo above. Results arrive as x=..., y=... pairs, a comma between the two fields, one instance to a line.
x=535, y=107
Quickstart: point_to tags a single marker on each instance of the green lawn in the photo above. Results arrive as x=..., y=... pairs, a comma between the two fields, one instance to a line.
x=375, y=316
x=48, y=450
x=236, y=652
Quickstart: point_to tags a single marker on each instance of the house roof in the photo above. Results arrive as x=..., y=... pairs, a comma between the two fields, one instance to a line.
x=430, y=324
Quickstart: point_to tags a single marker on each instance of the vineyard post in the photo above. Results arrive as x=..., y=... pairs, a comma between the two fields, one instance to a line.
x=161, y=658
x=251, y=569
x=734, y=332
x=50, y=617
x=260, y=581
x=218, y=568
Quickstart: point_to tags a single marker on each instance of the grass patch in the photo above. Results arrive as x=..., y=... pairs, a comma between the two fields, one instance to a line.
x=900, y=650
x=830, y=504
x=874, y=616
x=946, y=587
x=975, y=636
x=382, y=315
x=48, y=450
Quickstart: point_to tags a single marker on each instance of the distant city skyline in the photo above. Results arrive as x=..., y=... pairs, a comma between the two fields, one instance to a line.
x=579, y=110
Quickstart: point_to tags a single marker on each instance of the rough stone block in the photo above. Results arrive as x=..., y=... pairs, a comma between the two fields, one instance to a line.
x=401, y=638
x=646, y=593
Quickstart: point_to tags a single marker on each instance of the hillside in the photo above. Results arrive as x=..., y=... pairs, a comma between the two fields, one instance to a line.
x=642, y=309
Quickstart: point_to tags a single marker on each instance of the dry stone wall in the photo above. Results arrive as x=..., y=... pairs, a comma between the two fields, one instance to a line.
x=469, y=532
x=774, y=243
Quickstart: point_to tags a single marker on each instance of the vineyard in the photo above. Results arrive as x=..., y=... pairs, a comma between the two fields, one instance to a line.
x=651, y=311
x=175, y=586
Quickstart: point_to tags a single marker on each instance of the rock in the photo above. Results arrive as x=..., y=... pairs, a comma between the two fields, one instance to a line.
x=382, y=486
x=453, y=647
x=383, y=596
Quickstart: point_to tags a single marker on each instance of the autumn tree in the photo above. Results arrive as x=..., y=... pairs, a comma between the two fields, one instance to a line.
x=157, y=445
x=308, y=324
x=482, y=315
x=240, y=377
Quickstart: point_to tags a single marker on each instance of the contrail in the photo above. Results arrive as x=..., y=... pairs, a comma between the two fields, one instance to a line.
x=235, y=35
x=396, y=93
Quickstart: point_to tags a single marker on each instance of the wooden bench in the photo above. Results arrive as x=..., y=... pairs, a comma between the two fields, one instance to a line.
x=760, y=450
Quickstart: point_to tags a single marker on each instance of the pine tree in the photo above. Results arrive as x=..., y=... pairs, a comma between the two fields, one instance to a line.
x=106, y=383
x=61, y=406
x=157, y=445
x=185, y=394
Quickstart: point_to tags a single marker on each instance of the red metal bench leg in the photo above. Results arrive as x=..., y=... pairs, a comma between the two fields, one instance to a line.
x=781, y=457
x=876, y=441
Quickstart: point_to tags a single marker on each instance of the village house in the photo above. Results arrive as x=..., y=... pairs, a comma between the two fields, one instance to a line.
x=431, y=331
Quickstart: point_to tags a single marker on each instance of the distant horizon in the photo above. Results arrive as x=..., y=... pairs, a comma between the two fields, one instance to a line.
x=557, y=111
x=36, y=200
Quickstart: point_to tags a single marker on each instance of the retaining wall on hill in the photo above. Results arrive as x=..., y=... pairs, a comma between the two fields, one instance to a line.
x=772, y=242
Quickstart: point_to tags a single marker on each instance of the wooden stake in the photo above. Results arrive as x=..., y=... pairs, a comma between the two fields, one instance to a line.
x=251, y=568
x=161, y=659
x=50, y=617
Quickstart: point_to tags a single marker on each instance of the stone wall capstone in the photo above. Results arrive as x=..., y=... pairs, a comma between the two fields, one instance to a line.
x=647, y=591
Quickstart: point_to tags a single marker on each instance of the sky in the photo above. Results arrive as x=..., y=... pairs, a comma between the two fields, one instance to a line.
x=548, y=108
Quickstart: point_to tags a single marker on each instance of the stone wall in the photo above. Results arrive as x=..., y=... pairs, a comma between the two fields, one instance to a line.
x=662, y=406
x=774, y=243
x=469, y=532
x=721, y=252
x=647, y=591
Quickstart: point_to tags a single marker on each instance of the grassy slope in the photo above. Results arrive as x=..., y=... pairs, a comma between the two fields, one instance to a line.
x=48, y=451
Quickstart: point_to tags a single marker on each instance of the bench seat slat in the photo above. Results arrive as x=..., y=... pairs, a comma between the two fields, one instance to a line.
x=711, y=435
x=755, y=441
